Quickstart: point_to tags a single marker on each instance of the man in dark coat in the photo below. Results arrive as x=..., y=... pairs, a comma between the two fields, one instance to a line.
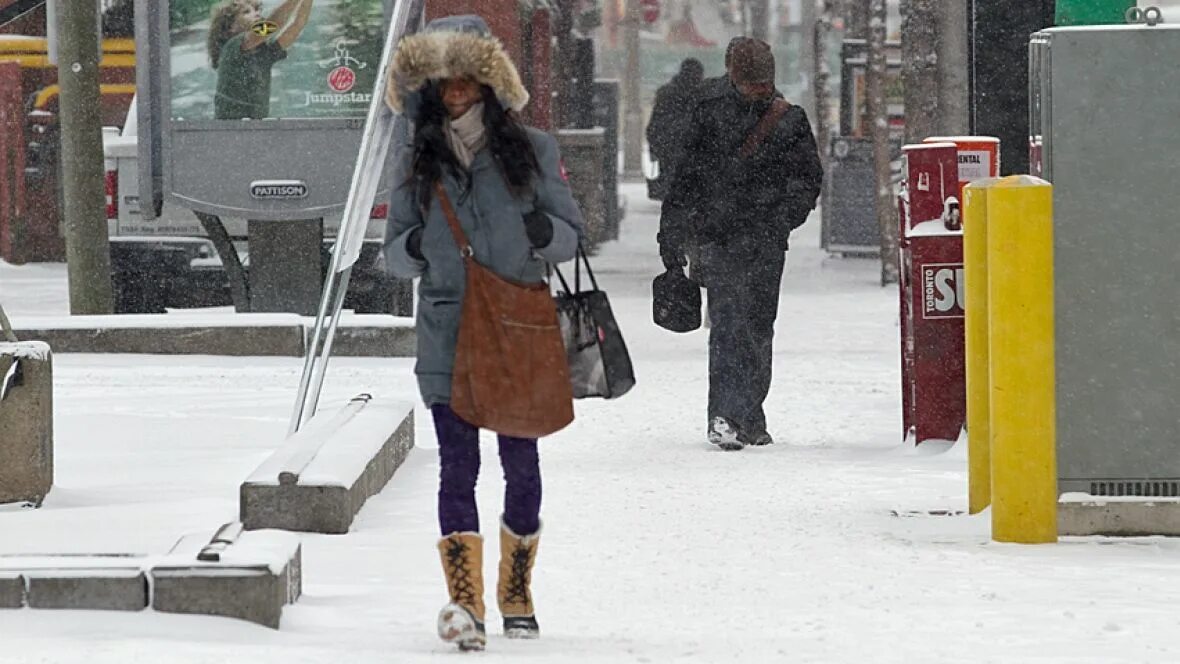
x=670, y=116
x=738, y=197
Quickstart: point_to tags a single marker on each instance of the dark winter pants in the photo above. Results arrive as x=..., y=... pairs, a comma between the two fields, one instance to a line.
x=743, y=282
x=458, y=456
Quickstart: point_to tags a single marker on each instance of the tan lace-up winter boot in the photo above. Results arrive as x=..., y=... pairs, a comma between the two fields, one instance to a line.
x=517, y=555
x=461, y=621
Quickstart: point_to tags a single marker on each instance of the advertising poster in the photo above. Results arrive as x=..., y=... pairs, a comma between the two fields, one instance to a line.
x=237, y=60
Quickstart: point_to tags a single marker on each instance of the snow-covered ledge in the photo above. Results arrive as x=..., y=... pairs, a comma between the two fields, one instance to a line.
x=250, y=576
x=26, y=422
x=1080, y=514
x=320, y=478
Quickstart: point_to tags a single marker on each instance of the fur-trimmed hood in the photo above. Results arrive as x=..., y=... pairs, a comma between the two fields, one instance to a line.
x=451, y=47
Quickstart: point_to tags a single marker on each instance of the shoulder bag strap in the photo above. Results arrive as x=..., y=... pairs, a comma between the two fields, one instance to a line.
x=589, y=271
x=581, y=258
x=778, y=108
x=453, y=220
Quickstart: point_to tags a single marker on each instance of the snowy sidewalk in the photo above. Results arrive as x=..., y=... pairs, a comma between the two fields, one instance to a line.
x=656, y=548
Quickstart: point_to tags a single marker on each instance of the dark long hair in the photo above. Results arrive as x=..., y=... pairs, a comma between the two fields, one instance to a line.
x=508, y=142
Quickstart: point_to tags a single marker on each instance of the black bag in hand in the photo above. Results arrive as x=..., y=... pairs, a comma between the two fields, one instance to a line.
x=600, y=365
x=676, y=301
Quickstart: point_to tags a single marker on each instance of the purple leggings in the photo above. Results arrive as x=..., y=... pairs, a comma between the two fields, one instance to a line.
x=458, y=456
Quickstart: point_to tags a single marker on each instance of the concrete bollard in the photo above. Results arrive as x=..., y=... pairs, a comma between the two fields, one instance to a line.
x=26, y=422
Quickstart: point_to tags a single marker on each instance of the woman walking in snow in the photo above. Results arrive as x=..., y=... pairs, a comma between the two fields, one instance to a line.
x=462, y=93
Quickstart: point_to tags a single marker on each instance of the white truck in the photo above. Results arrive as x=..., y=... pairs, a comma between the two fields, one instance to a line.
x=170, y=262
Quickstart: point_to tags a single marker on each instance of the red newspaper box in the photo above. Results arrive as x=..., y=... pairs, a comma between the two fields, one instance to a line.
x=934, y=391
x=979, y=158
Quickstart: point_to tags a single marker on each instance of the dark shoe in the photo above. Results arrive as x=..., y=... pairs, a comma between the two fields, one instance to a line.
x=724, y=435
x=757, y=439
x=522, y=628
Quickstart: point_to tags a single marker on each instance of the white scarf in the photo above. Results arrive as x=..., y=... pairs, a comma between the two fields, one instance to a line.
x=466, y=134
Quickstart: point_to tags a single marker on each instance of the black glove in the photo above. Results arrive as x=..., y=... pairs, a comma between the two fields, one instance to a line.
x=414, y=244
x=539, y=227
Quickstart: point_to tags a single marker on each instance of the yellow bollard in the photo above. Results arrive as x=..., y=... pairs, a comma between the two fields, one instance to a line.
x=975, y=221
x=1020, y=332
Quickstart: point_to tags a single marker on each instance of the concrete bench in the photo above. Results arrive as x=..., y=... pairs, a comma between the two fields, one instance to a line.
x=253, y=576
x=320, y=478
x=26, y=422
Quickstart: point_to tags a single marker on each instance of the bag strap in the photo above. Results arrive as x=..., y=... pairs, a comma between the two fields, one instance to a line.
x=589, y=271
x=465, y=249
x=581, y=258
x=778, y=108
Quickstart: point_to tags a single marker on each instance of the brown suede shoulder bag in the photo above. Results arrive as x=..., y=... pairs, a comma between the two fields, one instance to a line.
x=511, y=375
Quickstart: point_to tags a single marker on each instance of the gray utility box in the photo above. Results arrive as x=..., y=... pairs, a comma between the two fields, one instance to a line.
x=1105, y=114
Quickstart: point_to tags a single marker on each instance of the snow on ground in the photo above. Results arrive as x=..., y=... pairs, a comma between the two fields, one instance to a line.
x=656, y=548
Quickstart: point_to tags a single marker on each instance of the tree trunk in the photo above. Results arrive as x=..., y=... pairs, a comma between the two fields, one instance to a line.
x=760, y=19
x=823, y=77
x=83, y=184
x=856, y=19
x=920, y=21
x=878, y=112
x=953, y=68
x=563, y=63
x=632, y=104
x=807, y=54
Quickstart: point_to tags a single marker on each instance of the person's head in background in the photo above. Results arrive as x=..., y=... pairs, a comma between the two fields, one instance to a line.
x=691, y=71
x=752, y=69
x=733, y=44
x=230, y=19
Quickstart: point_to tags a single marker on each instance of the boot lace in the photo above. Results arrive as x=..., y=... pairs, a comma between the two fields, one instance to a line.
x=460, y=573
x=518, y=579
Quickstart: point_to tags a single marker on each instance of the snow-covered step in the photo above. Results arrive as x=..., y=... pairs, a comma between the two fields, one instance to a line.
x=94, y=582
x=104, y=588
x=1080, y=514
x=320, y=477
x=255, y=576
x=207, y=333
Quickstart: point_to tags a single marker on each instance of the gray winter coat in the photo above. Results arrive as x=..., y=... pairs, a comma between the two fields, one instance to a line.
x=492, y=218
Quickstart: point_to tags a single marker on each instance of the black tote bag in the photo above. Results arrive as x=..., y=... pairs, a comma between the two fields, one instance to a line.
x=676, y=302
x=600, y=365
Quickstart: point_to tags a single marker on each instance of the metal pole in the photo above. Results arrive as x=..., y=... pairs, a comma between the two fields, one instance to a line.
x=375, y=139
x=302, y=412
x=633, y=105
x=823, y=76
x=6, y=327
x=878, y=128
x=318, y=380
x=83, y=185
